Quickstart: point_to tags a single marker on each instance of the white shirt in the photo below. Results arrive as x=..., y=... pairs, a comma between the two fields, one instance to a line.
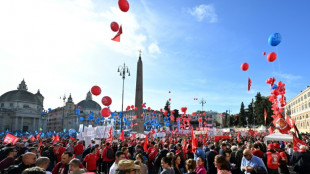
x=113, y=168
x=47, y=172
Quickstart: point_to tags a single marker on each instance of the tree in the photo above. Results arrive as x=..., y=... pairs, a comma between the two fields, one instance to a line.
x=250, y=112
x=260, y=104
x=242, y=116
x=167, y=106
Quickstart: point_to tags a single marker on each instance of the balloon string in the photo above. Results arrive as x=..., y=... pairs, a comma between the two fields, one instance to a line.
x=279, y=65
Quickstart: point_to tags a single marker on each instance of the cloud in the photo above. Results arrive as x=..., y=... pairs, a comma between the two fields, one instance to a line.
x=153, y=48
x=202, y=12
x=288, y=77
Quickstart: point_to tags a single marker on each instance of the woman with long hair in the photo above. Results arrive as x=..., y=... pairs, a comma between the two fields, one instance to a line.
x=176, y=164
x=201, y=166
x=190, y=165
x=222, y=165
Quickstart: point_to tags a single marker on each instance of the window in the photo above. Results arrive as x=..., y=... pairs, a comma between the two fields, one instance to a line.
x=2, y=105
x=26, y=106
x=302, y=107
x=301, y=98
x=298, y=100
x=308, y=94
x=305, y=96
x=11, y=104
x=306, y=106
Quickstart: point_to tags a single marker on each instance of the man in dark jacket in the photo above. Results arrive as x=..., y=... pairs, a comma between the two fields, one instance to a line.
x=28, y=160
x=210, y=160
x=301, y=160
x=159, y=156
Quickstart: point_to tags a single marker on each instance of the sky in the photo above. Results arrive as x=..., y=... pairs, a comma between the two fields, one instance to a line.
x=193, y=48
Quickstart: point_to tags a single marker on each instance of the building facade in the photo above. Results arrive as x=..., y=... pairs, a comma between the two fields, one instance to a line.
x=21, y=110
x=67, y=117
x=299, y=110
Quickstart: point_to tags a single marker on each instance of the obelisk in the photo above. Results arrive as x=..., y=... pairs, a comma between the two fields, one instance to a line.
x=139, y=98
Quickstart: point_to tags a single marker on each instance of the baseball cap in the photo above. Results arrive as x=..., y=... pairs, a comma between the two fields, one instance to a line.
x=127, y=165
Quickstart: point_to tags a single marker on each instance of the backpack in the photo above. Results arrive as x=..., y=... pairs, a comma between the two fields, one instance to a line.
x=110, y=153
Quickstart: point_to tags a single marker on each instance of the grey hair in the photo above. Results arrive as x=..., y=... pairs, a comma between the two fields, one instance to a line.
x=75, y=162
x=234, y=148
x=42, y=161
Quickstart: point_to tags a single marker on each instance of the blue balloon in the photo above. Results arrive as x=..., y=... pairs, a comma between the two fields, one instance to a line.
x=81, y=118
x=49, y=109
x=274, y=39
x=274, y=86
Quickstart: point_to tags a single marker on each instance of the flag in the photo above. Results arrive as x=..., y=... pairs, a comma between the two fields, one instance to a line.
x=110, y=136
x=249, y=84
x=146, y=141
x=56, y=139
x=32, y=139
x=72, y=138
x=133, y=136
x=251, y=132
x=290, y=121
x=40, y=145
x=265, y=113
x=239, y=139
x=281, y=124
x=38, y=135
x=271, y=129
x=194, y=142
x=121, y=136
x=24, y=139
x=297, y=142
x=117, y=37
x=9, y=138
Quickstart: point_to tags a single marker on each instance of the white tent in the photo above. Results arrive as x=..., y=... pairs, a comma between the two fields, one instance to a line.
x=262, y=128
x=278, y=137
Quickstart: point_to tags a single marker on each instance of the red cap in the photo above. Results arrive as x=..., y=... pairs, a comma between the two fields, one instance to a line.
x=276, y=145
x=270, y=146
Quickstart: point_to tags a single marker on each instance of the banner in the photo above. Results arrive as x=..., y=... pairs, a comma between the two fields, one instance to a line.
x=297, y=142
x=281, y=124
x=9, y=138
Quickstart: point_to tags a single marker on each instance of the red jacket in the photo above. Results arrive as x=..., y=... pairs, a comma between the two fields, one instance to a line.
x=60, y=151
x=105, y=153
x=91, y=160
x=273, y=160
x=78, y=149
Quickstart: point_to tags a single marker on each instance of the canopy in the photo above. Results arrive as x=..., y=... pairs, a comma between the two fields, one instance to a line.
x=278, y=137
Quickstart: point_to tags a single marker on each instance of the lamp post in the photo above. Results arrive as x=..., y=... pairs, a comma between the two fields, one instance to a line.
x=123, y=69
x=63, y=113
x=202, y=102
x=253, y=113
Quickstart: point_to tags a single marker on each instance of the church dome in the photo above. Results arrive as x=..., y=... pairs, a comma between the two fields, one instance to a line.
x=20, y=95
x=89, y=104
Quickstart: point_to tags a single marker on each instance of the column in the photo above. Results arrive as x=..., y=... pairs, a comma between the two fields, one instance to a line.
x=40, y=123
x=16, y=124
x=22, y=123
x=34, y=124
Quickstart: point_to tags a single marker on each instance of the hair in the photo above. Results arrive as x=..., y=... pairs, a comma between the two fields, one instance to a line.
x=225, y=152
x=119, y=153
x=174, y=159
x=75, y=162
x=139, y=156
x=212, y=147
x=123, y=149
x=34, y=170
x=170, y=155
x=42, y=161
x=8, y=151
x=223, y=144
x=202, y=159
x=190, y=164
x=107, y=144
x=92, y=149
x=166, y=160
x=234, y=148
x=256, y=145
x=221, y=159
x=68, y=153
x=166, y=145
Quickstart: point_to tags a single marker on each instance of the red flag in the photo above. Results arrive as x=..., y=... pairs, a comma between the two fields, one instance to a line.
x=146, y=141
x=9, y=138
x=40, y=145
x=251, y=132
x=290, y=121
x=297, y=142
x=194, y=142
x=57, y=138
x=271, y=129
x=110, y=136
x=265, y=113
x=133, y=136
x=239, y=139
x=117, y=37
x=121, y=137
x=72, y=138
x=24, y=139
x=249, y=84
x=281, y=124
x=38, y=135
x=32, y=139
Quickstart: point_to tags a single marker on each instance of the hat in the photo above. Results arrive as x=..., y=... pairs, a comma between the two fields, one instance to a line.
x=276, y=145
x=270, y=146
x=127, y=165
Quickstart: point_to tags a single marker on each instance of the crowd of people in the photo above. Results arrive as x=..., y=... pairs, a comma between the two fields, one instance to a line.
x=177, y=155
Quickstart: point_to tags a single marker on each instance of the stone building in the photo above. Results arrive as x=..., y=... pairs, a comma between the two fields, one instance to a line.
x=299, y=110
x=66, y=117
x=21, y=110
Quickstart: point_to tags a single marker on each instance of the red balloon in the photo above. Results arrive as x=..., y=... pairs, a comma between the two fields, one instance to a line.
x=271, y=56
x=114, y=26
x=193, y=113
x=132, y=106
x=79, y=107
x=136, y=108
x=169, y=99
x=244, y=66
x=143, y=105
x=169, y=91
x=200, y=120
x=148, y=108
x=204, y=123
x=105, y=112
x=123, y=5
x=95, y=90
x=264, y=53
x=106, y=101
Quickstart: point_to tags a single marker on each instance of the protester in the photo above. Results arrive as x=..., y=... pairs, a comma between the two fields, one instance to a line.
x=210, y=160
x=190, y=165
x=143, y=167
x=166, y=165
x=91, y=160
x=159, y=156
x=119, y=155
x=201, y=166
x=34, y=170
x=301, y=160
x=28, y=161
x=10, y=154
x=43, y=162
x=271, y=159
x=107, y=158
x=63, y=166
x=127, y=167
x=283, y=162
x=176, y=162
x=251, y=163
x=74, y=166
x=78, y=150
x=222, y=165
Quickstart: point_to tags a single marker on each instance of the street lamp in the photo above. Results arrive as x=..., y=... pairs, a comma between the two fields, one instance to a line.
x=253, y=113
x=63, y=113
x=202, y=102
x=122, y=72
